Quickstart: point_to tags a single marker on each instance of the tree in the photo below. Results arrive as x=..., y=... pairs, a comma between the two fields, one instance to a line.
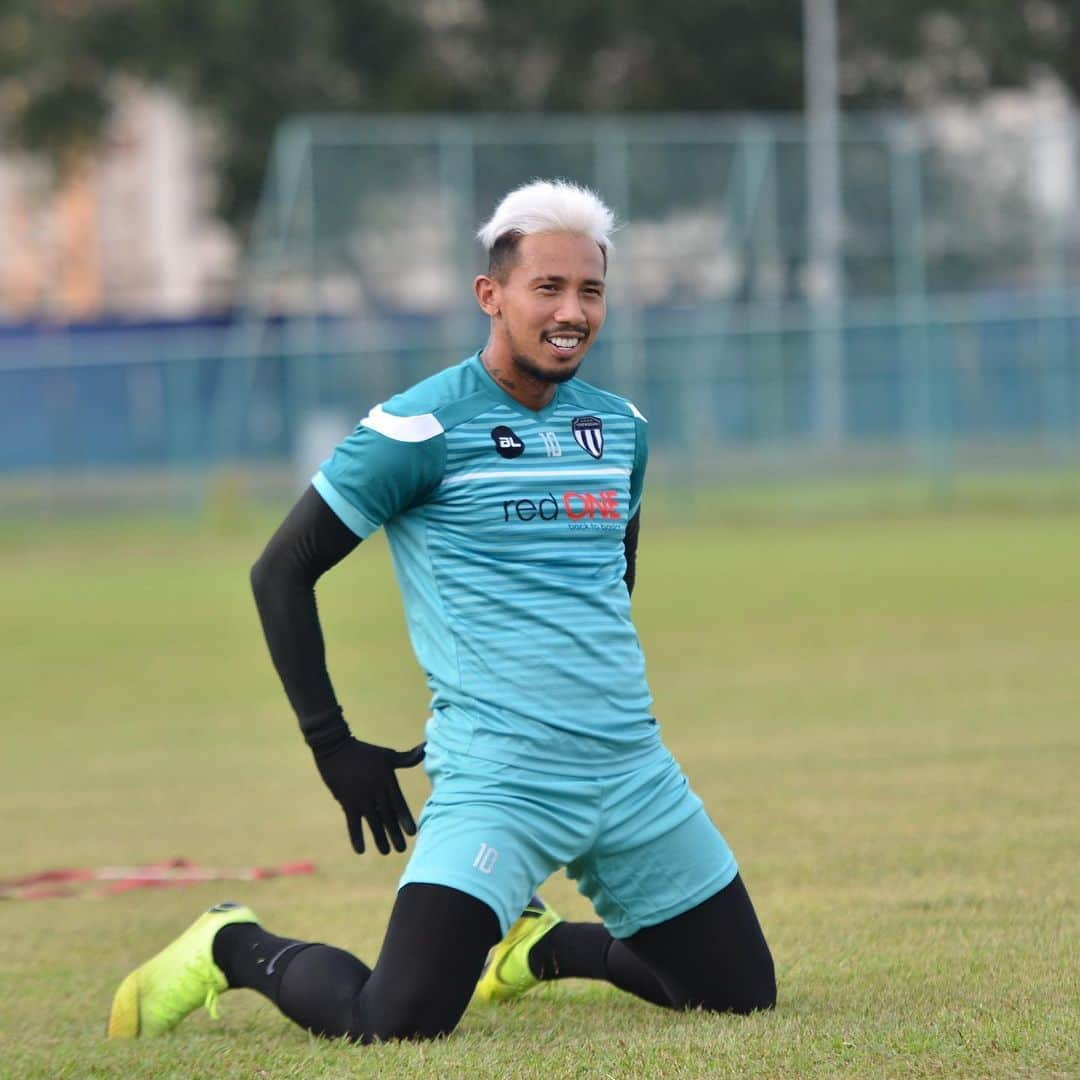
x=635, y=55
x=251, y=63
x=247, y=63
x=926, y=50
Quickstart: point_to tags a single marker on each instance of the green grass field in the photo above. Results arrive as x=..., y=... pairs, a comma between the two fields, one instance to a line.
x=881, y=714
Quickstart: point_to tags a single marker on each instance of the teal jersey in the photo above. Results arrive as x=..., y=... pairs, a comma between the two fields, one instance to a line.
x=506, y=528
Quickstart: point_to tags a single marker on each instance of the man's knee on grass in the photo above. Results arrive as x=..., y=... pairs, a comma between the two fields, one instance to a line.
x=753, y=989
x=407, y=1009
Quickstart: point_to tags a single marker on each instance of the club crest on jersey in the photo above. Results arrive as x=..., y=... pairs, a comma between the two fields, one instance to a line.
x=506, y=442
x=589, y=434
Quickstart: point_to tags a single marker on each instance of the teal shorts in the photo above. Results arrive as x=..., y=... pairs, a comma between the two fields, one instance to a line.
x=638, y=842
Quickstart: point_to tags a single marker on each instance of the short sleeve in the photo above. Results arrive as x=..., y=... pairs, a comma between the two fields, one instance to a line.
x=388, y=465
x=641, y=460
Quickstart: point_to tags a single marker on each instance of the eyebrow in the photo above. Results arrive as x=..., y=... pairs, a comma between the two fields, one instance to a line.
x=559, y=279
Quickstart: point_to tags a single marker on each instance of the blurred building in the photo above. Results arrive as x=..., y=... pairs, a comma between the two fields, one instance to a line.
x=129, y=231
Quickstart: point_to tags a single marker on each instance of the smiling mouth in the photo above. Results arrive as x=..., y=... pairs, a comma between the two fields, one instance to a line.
x=565, y=344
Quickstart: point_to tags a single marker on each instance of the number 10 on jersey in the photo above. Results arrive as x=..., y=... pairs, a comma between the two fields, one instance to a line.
x=551, y=443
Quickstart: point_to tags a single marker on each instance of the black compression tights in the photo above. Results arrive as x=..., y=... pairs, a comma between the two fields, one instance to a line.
x=713, y=956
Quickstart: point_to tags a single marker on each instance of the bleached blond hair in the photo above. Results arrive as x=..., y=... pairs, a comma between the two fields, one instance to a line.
x=549, y=206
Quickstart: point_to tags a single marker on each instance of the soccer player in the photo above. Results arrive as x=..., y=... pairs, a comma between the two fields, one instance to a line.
x=510, y=492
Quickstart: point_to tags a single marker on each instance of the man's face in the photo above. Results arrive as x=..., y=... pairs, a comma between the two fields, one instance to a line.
x=551, y=306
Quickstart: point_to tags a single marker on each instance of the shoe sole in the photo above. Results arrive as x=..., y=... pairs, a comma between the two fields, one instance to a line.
x=124, y=1014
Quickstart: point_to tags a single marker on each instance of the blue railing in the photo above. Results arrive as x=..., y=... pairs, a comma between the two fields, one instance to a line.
x=997, y=370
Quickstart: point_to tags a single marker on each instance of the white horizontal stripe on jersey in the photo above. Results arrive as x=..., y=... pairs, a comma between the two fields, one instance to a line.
x=403, y=428
x=495, y=474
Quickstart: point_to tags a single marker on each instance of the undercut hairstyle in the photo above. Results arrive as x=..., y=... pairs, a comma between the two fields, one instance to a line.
x=544, y=206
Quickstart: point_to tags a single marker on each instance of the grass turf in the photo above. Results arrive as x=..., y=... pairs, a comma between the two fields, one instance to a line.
x=881, y=714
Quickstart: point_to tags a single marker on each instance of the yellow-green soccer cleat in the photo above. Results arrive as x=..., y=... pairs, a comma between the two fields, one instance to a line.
x=507, y=975
x=154, y=998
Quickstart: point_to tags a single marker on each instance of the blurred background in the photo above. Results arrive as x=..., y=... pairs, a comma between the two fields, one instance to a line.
x=847, y=272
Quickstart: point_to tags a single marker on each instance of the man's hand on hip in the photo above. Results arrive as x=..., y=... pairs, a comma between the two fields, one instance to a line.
x=361, y=777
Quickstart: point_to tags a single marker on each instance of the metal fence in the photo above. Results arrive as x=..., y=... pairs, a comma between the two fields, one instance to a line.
x=936, y=331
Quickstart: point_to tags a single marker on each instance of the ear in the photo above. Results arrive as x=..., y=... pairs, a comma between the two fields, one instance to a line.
x=488, y=294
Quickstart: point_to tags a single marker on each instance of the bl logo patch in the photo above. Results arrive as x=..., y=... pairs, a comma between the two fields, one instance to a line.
x=589, y=434
x=506, y=442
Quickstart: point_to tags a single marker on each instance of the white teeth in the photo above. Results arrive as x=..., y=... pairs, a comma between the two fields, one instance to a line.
x=564, y=342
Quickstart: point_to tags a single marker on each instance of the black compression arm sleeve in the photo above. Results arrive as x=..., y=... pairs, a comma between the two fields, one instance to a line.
x=309, y=541
x=630, y=542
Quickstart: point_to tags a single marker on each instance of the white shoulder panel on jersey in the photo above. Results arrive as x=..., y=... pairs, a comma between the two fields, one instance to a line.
x=403, y=428
x=636, y=411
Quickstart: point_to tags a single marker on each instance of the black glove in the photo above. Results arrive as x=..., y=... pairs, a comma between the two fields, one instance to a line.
x=361, y=777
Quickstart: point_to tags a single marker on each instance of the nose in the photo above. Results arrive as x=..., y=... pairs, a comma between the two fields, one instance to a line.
x=570, y=310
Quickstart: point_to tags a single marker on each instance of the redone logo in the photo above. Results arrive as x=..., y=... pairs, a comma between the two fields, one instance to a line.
x=546, y=509
x=576, y=505
x=587, y=505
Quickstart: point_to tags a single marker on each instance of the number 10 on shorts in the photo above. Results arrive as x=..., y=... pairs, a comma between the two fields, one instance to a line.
x=485, y=859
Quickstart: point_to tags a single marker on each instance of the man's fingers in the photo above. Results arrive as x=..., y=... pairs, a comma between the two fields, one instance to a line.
x=378, y=833
x=401, y=811
x=393, y=829
x=406, y=759
x=356, y=832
